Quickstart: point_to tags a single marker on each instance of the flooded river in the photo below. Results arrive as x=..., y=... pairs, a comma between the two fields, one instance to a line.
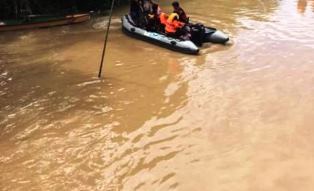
x=236, y=117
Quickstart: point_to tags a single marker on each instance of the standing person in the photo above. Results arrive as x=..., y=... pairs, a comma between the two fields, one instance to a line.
x=177, y=9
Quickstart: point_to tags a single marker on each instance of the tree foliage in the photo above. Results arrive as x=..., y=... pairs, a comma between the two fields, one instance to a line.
x=18, y=8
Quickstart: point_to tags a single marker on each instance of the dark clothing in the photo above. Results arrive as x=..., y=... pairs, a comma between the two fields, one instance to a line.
x=134, y=6
x=147, y=6
x=198, y=34
x=182, y=15
x=153, y=24
x=137, y=14
x=155, y=9
x=180, y=33
x=153, y=18
x=145, y=14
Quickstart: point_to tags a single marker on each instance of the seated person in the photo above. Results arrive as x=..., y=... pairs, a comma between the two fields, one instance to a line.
x=147, y=6
x=163, y=17
x=175, y=28
x=177, y=9
x=137, y=13
x=156, y=8
x=135, y=9
x=154, y=18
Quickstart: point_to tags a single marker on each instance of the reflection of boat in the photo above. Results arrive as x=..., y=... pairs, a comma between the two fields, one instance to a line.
x=43, y=22
x=302, y=5
x=185, y=46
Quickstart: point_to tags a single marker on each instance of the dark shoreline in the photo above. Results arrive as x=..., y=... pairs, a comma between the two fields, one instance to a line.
x=11, y=10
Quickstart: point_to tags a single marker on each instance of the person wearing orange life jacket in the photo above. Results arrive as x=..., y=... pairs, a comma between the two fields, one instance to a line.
x=173, y=26
x=163, y=17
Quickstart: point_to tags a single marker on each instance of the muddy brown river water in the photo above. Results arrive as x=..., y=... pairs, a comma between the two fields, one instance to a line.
x=236, y=117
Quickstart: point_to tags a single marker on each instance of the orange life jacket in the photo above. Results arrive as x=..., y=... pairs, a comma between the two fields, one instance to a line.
x=163, y=18
x=173, y=25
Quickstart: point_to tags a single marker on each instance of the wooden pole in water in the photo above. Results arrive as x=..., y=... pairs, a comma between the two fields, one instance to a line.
x=105, y=42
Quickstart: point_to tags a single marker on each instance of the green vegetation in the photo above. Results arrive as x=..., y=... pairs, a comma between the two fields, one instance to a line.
x=16, y=9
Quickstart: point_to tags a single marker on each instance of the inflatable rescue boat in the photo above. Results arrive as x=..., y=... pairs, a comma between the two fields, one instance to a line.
x=185, y=46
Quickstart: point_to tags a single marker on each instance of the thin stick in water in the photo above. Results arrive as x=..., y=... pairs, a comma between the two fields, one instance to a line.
x=105, y=42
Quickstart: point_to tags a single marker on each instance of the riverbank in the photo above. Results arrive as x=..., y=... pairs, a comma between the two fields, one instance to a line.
x=14, y=10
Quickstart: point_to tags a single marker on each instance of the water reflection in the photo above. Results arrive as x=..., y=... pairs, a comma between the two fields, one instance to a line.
x=303, y=4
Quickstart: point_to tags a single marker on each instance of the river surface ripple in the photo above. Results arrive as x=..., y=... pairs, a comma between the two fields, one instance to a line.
x=237, y=117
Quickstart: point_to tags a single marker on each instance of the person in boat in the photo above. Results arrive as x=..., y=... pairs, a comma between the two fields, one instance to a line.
x=154, y=18
x=155, y=8
x=175, y=28
x=137, y=13
x=196, y=32
x=177, y=9
x=135, y=9
x=148, y=7
x=163, y=17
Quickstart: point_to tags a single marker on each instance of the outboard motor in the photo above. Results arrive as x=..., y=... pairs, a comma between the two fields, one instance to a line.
x=215, y=36
x=198, y=34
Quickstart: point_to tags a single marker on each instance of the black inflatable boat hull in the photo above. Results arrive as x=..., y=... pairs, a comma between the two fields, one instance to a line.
x=184, y=46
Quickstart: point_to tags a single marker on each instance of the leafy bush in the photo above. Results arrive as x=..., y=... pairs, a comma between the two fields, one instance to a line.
x=18, y=8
